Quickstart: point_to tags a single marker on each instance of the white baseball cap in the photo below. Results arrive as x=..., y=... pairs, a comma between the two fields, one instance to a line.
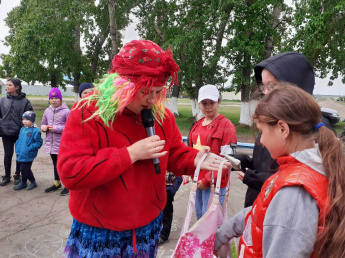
x=208, y=92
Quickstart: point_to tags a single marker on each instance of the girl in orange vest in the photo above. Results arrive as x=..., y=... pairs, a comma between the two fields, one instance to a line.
x=300, y=211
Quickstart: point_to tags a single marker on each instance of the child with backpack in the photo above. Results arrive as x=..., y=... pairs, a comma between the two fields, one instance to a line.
x=300, y=211
x=27, y=146
x=53, y=124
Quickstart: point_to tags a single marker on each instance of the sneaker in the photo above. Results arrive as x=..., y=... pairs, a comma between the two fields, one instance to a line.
x=20, y=186
x=31, y=186
x=17, y=179
x=5, y=180
x=52, y=188
x=162, y=242
x=64, y=192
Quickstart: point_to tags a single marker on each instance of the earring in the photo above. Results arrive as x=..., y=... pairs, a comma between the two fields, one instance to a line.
x=283, y=137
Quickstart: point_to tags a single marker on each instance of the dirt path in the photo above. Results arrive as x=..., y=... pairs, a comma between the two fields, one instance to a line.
x=37, y=224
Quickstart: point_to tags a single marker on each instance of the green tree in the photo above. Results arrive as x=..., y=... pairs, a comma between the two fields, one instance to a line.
x=320, y=35
x=195, y=30
x=255, y=32
x=41, y=40
x=46, y=39
x=5, y=68
x=97, y=36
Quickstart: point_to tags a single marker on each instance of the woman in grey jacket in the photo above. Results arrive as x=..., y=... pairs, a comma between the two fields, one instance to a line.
x=12, y=107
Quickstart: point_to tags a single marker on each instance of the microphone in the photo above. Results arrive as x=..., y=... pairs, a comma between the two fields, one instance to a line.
x=149, y=124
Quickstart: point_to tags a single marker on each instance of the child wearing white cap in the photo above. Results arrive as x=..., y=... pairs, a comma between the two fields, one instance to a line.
x=217, y=132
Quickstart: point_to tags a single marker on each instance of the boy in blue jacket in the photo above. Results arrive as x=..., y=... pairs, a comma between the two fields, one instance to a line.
x=27, y=146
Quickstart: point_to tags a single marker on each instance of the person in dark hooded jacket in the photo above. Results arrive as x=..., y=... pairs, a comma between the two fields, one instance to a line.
x=291, y=67
x=12, y=107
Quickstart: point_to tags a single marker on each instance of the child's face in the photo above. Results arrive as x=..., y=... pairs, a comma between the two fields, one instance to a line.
x=27, y=123
x=55, y=102
x=86, y=92
x=209, y=108
x=268, y=80
x=272, y=139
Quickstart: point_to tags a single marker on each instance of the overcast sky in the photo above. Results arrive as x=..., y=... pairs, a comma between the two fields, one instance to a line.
x=7, y=5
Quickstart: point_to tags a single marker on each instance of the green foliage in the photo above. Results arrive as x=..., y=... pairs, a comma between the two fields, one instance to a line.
x=320, y=35
x=42, y=40
x=6, y=68
x=195, y=31
x=233, y=249
x=45, y=39
x=211, y=40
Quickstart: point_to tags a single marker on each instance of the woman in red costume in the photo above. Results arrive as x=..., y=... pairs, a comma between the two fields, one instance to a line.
x=116, y=198
x=300, y=211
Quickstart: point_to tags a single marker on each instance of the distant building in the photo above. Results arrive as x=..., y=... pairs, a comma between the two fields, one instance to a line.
x=231, y=95
x=38, y=89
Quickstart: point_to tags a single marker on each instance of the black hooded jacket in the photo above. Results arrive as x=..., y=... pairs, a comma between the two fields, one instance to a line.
x=11, y=110
x=290, y=67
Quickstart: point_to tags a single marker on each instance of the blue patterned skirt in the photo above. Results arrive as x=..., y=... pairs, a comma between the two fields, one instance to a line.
x=87, y=241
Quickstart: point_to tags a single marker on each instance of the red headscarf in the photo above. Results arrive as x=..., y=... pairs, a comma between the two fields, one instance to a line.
x=145, y=64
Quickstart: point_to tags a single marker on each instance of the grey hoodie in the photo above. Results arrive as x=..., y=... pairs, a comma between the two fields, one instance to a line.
x=291, y=220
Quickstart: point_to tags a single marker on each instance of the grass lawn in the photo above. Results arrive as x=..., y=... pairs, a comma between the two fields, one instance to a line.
x=185, y=120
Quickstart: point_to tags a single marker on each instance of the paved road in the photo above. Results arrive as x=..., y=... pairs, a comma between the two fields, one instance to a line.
x=36, y=224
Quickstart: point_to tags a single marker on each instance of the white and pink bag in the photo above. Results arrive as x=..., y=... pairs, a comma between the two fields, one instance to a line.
x=198, y=241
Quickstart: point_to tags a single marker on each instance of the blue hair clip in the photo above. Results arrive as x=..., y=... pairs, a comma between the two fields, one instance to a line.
x=318, y=126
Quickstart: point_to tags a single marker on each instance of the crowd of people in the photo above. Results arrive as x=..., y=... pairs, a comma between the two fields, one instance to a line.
x=20, y=133
x=103, y=155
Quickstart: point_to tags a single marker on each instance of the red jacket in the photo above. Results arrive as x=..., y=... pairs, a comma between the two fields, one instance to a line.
x=107, y=190
x=291, y=172
x=223, y=133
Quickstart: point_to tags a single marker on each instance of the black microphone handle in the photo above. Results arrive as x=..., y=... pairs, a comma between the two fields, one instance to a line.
x=149, y=132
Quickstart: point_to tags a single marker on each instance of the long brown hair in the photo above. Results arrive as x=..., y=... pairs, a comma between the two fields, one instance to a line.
x=302, y=113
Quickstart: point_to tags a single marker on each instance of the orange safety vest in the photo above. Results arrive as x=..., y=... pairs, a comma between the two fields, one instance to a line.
x=291, y=172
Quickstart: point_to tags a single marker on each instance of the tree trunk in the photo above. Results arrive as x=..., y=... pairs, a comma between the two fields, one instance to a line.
x=270, y=38
x=99, y=41
x=113, y=28
x=159, y=26
x=53, y=81
x=174, y=100
x=220, y=36
x=197, y=114
x=247, y=111
x=77, y=68
x=166, y=104
x=245, y=91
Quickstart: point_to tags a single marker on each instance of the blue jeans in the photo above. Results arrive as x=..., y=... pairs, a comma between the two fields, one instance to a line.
x=201, y=200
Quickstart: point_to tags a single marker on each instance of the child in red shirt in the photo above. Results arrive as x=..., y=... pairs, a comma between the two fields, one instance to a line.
x=217, y=132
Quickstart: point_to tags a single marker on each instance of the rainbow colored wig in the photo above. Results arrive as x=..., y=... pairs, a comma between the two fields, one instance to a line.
x=114, y=93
